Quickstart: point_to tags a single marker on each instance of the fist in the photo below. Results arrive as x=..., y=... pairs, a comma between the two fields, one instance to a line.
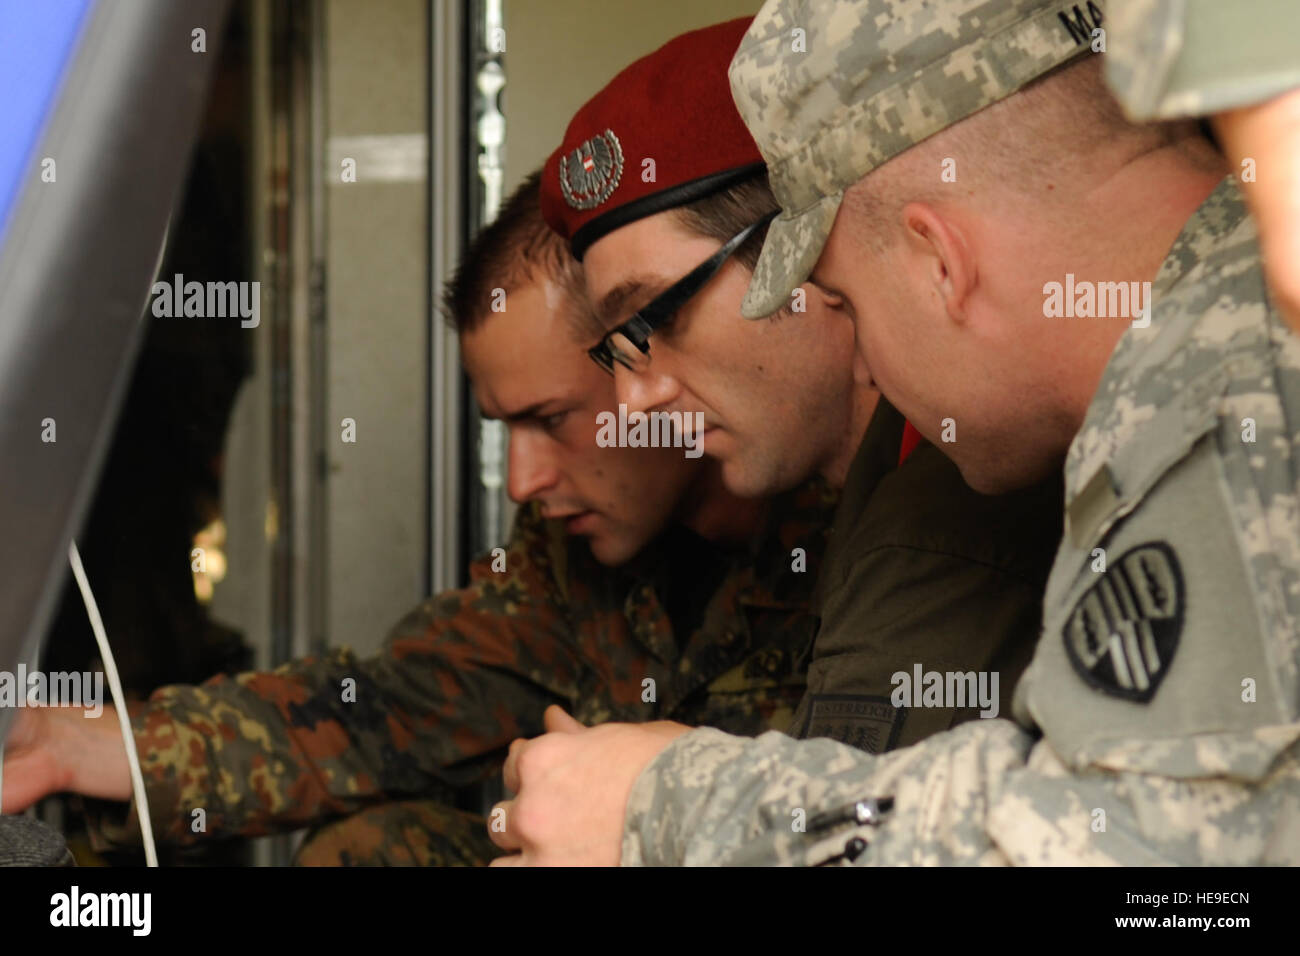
x=572, y=786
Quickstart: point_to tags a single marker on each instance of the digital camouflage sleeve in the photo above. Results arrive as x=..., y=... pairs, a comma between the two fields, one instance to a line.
x=470, y=670
x=1171, y=58
x=1159, y=720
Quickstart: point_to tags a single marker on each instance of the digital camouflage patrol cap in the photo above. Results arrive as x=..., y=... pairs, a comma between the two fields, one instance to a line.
x=831, y=89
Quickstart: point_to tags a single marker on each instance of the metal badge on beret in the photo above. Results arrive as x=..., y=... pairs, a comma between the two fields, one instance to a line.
x=590, y=174
x=1124, y=630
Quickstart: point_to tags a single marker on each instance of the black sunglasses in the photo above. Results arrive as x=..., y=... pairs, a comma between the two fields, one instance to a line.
x=629, y=343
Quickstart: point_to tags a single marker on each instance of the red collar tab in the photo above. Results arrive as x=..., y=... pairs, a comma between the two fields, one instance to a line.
x=911, y=438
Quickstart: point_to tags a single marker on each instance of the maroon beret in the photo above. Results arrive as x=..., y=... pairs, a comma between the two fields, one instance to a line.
x=673, y=107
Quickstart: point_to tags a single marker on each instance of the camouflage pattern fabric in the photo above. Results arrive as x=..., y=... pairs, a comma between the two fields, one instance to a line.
x=831, y=89
x=470, y=670
x=1183, y=750
x=1172, y=58
x=405, y=833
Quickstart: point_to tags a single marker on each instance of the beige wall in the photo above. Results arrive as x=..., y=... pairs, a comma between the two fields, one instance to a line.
x=376, y=277
x=560, y=52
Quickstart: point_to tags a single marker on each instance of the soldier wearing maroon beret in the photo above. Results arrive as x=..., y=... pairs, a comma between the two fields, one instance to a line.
x=662, y=194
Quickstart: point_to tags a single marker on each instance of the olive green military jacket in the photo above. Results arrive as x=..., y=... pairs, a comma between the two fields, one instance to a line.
x=689, y=632
x=923, y=578
x=1159, y=722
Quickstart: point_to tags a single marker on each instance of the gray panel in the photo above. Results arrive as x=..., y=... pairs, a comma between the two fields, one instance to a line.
x=446, y=196
x=75, y=273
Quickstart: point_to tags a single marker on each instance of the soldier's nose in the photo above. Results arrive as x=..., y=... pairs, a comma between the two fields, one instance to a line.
x=530, y=470
x=645, y=390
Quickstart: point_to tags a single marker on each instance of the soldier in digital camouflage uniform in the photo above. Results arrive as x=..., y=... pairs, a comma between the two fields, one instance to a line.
x=1159, y=722
x=1174, y=58
x=709, y=633
x=1194, y=761
x=1237, y=61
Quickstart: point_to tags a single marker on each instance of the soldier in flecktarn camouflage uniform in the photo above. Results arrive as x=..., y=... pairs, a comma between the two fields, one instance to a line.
x=469, y=670
x=634, y=586
x=691, y=629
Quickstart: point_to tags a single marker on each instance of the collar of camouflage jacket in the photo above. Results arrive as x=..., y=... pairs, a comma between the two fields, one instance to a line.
x=1153, y=384
x=777, y=572
x=785, y=554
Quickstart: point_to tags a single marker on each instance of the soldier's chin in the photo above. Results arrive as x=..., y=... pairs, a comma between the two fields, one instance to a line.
x=984, y=480
x=743, y=479
x=1006, y=473
x=611, y=548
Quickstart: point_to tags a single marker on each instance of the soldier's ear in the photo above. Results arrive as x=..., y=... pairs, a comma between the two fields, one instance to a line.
x=947, y=260
x=817, y=296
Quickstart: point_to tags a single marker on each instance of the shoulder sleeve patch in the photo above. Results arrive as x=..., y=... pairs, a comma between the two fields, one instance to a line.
x=1122, y=634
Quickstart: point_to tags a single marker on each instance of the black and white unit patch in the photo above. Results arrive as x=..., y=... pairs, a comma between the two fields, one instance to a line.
x=590, y=174
x=1124, y=630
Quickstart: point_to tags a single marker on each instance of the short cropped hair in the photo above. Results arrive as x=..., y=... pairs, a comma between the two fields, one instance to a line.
x=1032, y=145
x=723, y=214
x=517, y=247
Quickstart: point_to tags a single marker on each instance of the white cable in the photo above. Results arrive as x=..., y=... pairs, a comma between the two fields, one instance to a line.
x=115, y=686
